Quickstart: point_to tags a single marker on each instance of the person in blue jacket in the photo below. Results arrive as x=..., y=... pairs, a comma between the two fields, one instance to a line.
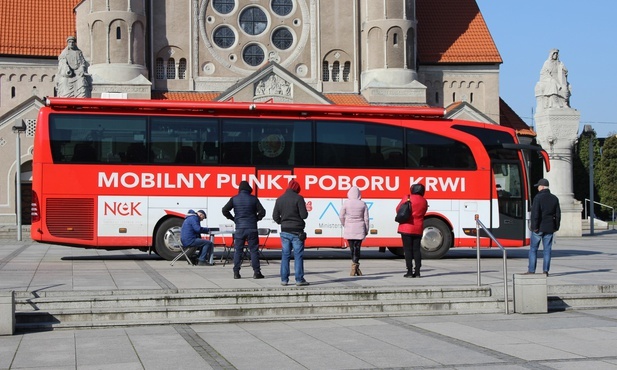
x=190, y=236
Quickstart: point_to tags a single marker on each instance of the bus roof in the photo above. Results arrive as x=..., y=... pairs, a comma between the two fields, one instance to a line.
x=248, y=108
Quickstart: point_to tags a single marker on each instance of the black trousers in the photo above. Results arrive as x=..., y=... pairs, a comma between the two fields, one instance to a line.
x=411, y=247
x=354, y=247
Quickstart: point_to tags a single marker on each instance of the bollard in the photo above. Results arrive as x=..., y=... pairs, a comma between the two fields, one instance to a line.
x=530, y=293
x=7, y=313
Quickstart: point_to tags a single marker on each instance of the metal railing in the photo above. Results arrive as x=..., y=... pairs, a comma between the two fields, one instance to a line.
x=480, y=225
x=601, y=205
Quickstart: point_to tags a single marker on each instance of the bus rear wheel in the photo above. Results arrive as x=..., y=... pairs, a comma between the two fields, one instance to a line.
x=167, y=241
x=436, y=239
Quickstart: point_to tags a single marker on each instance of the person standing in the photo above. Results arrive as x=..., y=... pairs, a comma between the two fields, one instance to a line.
x=545, y=220
x=290, y=212
x=247, y=211
x=190, y=236
x=355, y=220
x=412, y=229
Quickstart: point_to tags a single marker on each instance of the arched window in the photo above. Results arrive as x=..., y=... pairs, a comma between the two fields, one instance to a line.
x=346, y=71
x=326, y=71
x=13, y=92
x=171, y=69
x=182, y=69
x=160, y=69
x=336, y=71
x=118, y=33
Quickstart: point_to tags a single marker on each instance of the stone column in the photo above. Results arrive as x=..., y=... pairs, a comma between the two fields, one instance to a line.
x=557, y=129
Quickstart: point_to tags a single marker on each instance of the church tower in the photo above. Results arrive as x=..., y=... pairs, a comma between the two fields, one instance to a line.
x=388, y=44
x=112, y=36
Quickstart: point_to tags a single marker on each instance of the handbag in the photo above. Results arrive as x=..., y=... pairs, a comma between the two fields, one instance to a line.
x=302, y=236
x=404, y=212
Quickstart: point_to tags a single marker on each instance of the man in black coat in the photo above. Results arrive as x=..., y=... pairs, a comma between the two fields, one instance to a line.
x=545, y=220
x=247, y=211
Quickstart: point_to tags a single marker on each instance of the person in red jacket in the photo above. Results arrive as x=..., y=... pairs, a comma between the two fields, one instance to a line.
x=411, y=230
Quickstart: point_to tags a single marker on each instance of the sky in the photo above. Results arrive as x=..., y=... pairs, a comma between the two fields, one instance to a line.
x=585, y=32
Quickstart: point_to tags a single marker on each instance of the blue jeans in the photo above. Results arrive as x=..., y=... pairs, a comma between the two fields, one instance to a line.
x=206, y=247
x=250, y=237
x=291, y=241
x=547, y=245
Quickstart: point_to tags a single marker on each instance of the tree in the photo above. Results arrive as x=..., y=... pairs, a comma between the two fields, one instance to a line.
x=580, y=169
x=606, y=181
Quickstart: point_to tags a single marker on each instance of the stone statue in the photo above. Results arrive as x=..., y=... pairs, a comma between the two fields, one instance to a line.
x=553, y=89
x=72, y=78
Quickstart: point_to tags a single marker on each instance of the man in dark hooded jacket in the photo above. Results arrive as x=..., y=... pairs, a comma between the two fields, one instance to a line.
x=290, y=212
x=247, y=211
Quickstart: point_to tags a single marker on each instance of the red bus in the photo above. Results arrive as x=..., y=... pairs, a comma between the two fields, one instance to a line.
x=116, y=174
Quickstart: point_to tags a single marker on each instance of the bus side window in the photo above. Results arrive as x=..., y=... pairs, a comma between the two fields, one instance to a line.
x=187, y=155
x=84, y=153
x=136, y=153
x=396, y=159
x=210, y=152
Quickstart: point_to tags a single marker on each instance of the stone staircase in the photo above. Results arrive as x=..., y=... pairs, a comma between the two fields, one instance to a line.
x=129, y=308
x=88, y=309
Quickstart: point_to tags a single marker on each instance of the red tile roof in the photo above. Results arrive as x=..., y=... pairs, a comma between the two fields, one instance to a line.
x=347, y=99
x=184, y=95
x=36, y=28
x=453, y=31
x=509, y=118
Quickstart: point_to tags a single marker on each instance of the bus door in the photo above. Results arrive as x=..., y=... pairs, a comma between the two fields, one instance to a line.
x=510, y=195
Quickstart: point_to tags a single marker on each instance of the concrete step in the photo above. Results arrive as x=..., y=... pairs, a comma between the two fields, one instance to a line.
x=63, y=310
x=8, y=232
x=569, y=297
x=597, y=225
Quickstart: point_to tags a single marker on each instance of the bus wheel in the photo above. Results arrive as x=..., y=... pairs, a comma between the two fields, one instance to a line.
x=399, y=252
x=436, y=239
x=167, y=243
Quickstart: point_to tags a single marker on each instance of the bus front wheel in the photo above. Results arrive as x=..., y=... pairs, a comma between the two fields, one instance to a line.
x=167, y=242
x=436, y=239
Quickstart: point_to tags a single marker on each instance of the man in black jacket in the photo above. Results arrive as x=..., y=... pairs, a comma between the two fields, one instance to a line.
x=545, y=220
x=247, y=211
x=290, y=212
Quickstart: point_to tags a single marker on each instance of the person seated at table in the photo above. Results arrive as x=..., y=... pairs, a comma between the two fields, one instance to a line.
x=190, y=236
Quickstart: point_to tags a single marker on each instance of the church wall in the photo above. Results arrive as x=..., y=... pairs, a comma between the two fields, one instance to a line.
x=118, y=44
x=458, y=83
x=28, y=78
x=8, y=142
x=338, y=45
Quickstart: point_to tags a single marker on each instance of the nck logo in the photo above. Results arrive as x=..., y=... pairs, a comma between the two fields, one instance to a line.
x=122, y=209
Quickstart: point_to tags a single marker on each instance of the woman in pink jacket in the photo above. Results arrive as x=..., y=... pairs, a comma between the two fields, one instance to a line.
x=354, y=218
x=411, y=230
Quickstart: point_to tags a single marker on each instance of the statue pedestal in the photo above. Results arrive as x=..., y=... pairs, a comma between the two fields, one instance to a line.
x=557, y=130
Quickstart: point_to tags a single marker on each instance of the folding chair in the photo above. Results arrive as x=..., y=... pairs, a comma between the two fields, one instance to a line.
x=227, y=248
x=263, y=232
x=173, y=240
